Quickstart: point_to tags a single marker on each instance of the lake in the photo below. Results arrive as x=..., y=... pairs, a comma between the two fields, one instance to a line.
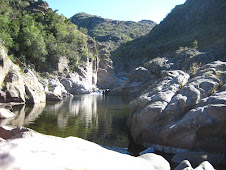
x=97, y=118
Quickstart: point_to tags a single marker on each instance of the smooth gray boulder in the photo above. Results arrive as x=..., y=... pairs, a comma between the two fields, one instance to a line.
x=157, y=161
x=146, y=108
x=205, y=166
x=35, y=92
x=14, y=87
x=184, y=165
x=48, y=152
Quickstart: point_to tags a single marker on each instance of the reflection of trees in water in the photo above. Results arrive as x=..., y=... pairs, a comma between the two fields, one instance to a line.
x=101, y=119
x=26, y=114
x=81, y=110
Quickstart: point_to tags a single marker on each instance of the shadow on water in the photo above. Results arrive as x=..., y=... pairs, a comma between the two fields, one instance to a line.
x=97, y=118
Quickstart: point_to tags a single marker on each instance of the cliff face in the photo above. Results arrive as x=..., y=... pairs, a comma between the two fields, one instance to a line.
x=200, y=20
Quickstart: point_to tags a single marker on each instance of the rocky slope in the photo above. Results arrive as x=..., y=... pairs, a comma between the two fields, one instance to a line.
x=179, y=113
x=200, y=20
x=112, y=32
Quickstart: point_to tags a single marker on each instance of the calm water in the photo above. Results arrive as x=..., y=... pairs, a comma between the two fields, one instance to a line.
x=97, y=118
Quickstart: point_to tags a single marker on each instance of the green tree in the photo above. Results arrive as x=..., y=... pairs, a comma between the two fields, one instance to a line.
x=84, y=30
x=195, y=44
x=32, y=44
x=4, y=24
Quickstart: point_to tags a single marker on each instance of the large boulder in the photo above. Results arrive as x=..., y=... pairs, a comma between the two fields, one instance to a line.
x=56, y=90
x=48, y=152
x=18, y=84
x=158, y=65
x=138, y=81
x=14, y=87
x=187, y=115
x=157, y=161
x=153, y=101
x=11, y=83
x=185, y=165
x=35, y=92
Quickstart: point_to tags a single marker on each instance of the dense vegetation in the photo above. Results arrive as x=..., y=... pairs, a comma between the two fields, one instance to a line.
x=34, y=33
x=199, y=21
x=111, y=31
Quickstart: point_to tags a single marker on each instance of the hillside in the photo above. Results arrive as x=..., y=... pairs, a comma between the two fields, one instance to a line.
x=38, y=36
x=200, y=20
x=113, y=31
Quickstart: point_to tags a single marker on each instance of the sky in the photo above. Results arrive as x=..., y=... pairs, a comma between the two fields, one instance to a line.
x=125, y=10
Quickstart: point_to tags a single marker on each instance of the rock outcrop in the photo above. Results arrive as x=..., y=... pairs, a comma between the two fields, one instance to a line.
x=181, y=113
x=18, y=85
x=14, y=87
x=38, y=6
x=138, y=81
x=185, y=165
x=157, y=161
x=83, y=81
x=154, y=100
x=106, y=78
x=48, y=152
x=35, y=92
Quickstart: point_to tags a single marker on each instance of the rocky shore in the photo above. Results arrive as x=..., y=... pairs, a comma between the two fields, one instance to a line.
x=22, y=148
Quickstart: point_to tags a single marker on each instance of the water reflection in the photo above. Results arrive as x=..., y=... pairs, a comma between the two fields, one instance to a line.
x=25, y=115
x=101, y=119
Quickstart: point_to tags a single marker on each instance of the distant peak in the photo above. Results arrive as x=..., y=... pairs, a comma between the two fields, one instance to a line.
x=146, y=21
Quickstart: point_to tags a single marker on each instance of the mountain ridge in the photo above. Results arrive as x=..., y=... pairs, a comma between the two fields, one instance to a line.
x=200, y=21
x=109, y=30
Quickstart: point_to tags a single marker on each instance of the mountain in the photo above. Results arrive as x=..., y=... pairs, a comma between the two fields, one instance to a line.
x=113, y=31
x=199, y=21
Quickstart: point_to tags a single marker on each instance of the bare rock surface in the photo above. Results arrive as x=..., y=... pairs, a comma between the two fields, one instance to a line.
x=18, y=85
x=5, y=113
x=183, y=113
x=157, y=161
x=185, y=165
x=35, y=92
x=106, y=78
x=153, y=101
x=48, y=152
x=138, y=81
